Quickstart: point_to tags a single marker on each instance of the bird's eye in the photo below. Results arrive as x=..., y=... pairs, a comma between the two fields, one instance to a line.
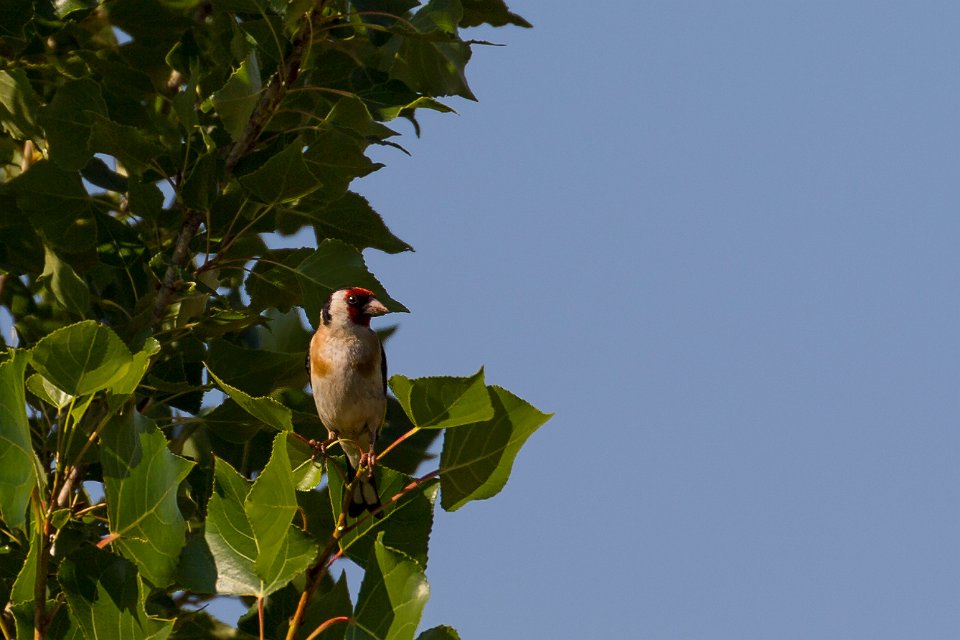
x=352, y=300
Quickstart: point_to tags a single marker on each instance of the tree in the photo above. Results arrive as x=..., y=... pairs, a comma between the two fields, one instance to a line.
x=157, y=438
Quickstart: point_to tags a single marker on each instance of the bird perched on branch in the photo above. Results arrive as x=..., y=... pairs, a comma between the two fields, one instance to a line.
x=348, y=374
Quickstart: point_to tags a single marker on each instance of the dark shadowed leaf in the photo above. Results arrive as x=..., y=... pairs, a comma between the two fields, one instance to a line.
x=19, y=105
x=105, y=597
x=236, y=100
x=406, y=524
x=63, y=282
x=349, y=218
x=68, y=120
x=442, y=632
x=257, y=371
x=492, y=12
x=477, y=459
x=141, y=478
x=283, y=177
x=57, y=205
x=20, y=470
x=443, y=401
x=332, y=266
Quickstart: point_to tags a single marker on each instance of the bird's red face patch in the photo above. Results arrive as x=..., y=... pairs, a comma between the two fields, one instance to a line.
x=356, y=298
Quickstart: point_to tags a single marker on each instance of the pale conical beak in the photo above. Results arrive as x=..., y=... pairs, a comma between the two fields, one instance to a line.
x=374, y=308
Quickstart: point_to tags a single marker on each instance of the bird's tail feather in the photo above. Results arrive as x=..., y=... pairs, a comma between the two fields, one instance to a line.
x=366, y=496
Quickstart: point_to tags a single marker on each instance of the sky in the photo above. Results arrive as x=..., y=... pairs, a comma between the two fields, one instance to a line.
x=719, y=240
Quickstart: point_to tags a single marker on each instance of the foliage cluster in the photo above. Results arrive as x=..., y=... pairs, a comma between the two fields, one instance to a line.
x=148, y=151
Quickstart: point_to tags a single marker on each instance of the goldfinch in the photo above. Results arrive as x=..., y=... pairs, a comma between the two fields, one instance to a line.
x=348, y=374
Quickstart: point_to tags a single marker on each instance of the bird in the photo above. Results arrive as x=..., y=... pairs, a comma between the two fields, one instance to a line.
x=348, y=375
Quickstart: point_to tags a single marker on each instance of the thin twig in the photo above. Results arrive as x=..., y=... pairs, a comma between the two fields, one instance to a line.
x=326, y=625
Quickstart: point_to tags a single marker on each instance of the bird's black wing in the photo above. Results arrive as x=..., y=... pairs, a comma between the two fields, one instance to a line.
x=383, y=367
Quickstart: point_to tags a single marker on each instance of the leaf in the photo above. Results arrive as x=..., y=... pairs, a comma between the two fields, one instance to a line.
x=98, y=173
x=141, y=478
x=43, y=389
x=106, y=598
x=283, y=551
x=332, y=266
x=229, y=535
x=392, y=596
x=57, y=205
x=273, y=280
x=442, y=632
x=349, y=218
x=134, y=148
x=68, y=121
x=335, y=159
x=201, y=185
x=67, y=287
x=434, y=64
x=265, y=409
x=20, y=470
x=441, y=402
x=476, y=460
x=492, y=12
x=285, y=176
x=19, y=105
x=82, y=358
x=256, y=549
x=406, y=524
x=284, y=333
x=236, y=100
x=257, y=371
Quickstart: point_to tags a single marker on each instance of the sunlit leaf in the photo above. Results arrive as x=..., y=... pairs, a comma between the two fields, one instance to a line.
x=82, y=358
x=19, y=105
x=443, y=401
x=477, y=459
x=141, y=477
x=20, y=470
x=236, y=100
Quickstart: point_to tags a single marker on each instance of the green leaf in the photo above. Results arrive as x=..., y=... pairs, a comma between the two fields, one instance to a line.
x=134, y=148
x=434, y=61
x=492, y=12
x=476, y=460
x=106, y=598
x=68, y=121
x=283, y=550
x=58, y=206
x=265, y=409
x=284, y=333
x=332, y=266
x=392, y=596
x=273, y=280
x=82, y=358
x=141, y=478
x=202, y=183
x=19, y=105
x=236, y=100
x=145, y=198
x=67, y=287
x=335, y=159
x=229, y=535
x=249, y=532
x=98, y=173
x=349, y=218
x=48, y=392
x=442, y=632
x=20, y=470
x=406, y=524
x=285, y=176
x=441, y=402
x=257, y=371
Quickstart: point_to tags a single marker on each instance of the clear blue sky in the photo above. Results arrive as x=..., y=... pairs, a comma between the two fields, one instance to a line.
x=720, y=240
